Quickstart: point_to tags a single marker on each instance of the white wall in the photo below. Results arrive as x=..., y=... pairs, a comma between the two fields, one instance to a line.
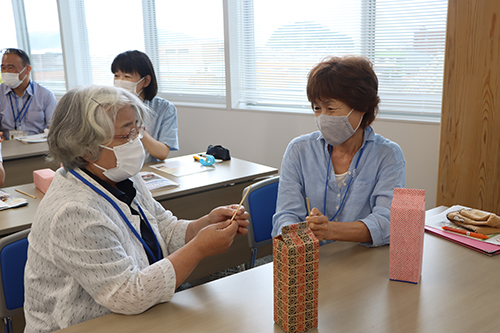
x=262, y=137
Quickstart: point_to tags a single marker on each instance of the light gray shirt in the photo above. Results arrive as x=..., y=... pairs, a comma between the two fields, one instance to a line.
x=84, y=261
x=33, y=110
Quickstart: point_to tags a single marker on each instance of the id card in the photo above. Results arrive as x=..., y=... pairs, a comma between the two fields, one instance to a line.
x=15, y=134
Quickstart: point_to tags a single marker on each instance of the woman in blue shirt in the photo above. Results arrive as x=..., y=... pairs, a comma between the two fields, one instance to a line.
x=134, y=72
x=346, y=171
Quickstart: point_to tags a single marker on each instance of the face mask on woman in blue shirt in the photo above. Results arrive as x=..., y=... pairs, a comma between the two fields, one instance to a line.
x=336, y=129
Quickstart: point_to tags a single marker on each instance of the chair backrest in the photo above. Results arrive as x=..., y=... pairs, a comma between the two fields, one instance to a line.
x=13, y=256
x=261, y=204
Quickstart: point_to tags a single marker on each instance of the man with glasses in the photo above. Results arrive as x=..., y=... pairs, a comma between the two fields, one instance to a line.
x=25, y=106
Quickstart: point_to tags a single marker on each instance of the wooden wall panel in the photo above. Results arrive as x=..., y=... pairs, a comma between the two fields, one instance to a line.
x=469, y=157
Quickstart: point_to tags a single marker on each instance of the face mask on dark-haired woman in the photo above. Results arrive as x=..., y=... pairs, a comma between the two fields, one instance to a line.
x=336, y=129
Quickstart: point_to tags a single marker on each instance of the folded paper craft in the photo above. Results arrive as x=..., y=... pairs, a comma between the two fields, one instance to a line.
x=476, y=221
x=407, y=235
x=296, y=272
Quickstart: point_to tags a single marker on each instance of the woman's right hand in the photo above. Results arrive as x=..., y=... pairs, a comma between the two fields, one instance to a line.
x=318, y=223
x=216, y=238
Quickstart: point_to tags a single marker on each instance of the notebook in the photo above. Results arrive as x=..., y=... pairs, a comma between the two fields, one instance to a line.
x=435, y=222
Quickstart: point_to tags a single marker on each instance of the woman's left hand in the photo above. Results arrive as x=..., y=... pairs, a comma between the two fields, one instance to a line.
x=318, y=223
x=224, y=213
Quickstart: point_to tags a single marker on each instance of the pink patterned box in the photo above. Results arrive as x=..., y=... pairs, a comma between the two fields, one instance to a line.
x=407, y=235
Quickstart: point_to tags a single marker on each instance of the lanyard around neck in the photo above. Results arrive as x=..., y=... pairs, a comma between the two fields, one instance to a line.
x=124, y=217
x=348, y=185
x=24, y=110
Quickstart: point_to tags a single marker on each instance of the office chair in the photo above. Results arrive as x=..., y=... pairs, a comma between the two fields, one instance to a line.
x=13, y=256
x=261, y=204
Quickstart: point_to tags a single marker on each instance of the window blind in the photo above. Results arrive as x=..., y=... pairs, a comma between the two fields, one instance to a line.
x=45, y=44
x=112, y=27
x=404, y=40
x=191, y=49
x=8, y=35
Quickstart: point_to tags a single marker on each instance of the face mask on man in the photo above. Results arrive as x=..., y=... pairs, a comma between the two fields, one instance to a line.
x=129, y=86
x=336, y=129
x=12, y=80
x=129, y=160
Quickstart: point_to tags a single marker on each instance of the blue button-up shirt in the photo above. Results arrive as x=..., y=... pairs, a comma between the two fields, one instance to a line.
x=163, y=127
x=368, y=199
x=41, y=102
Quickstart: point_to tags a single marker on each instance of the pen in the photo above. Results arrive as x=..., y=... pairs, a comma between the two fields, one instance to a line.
x=464, y=232
x=27, y=194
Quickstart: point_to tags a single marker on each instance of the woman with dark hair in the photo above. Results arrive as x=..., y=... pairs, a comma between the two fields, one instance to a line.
x=346, y=171
x=134, y=72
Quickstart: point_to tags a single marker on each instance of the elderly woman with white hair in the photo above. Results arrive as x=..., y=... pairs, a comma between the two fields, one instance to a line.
x=100, y=243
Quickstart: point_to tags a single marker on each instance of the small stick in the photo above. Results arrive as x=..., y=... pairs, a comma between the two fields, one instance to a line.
x=308, y=206
x=242, y=199
x=27, y=194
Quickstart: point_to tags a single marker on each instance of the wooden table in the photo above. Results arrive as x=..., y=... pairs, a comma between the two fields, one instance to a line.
x=458, y=292
x=195, y=196
x=21, y=159
x=19, y=218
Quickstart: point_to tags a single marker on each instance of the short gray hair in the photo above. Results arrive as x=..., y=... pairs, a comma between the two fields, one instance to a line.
x=84, y=119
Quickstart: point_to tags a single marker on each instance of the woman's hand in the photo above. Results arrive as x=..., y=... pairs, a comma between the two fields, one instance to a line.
x=216, y=238
x=224, y=213
x=213, y=239
x=154, y=147
x=318, y=223
x=217, y=215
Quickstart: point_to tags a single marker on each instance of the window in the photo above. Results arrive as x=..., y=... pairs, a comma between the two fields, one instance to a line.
x=38, y=35
x=187, y=51
x=8, y=35
x=404, y=40
x=191, y=49
x=112, y=27
x=252, y=54
x=45, y=44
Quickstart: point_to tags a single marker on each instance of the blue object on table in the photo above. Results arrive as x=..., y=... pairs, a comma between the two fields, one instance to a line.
x=208, y=161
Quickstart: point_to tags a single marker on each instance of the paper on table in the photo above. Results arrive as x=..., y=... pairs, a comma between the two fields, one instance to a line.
x=156, y=182
x=10, y=201
x=438, y=221
x=181, y=168
x=36, y=138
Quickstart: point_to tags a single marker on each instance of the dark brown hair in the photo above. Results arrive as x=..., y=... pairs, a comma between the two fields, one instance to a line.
x=24, y=57
x=349, y=79
x=139, y=62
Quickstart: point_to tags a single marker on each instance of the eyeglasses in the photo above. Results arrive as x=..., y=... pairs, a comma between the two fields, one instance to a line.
x=134, y=133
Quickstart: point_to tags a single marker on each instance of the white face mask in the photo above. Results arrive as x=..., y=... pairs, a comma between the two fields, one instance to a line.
x=129, y=86
x=129, y=161
x=12, y=79
x=336, y=129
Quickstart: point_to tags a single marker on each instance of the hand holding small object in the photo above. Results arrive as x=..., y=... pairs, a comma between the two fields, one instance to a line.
x=318, y=223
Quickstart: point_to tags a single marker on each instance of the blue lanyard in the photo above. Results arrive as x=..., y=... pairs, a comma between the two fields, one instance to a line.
x=124, y=217
x=348, y=185
x=20, y=115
